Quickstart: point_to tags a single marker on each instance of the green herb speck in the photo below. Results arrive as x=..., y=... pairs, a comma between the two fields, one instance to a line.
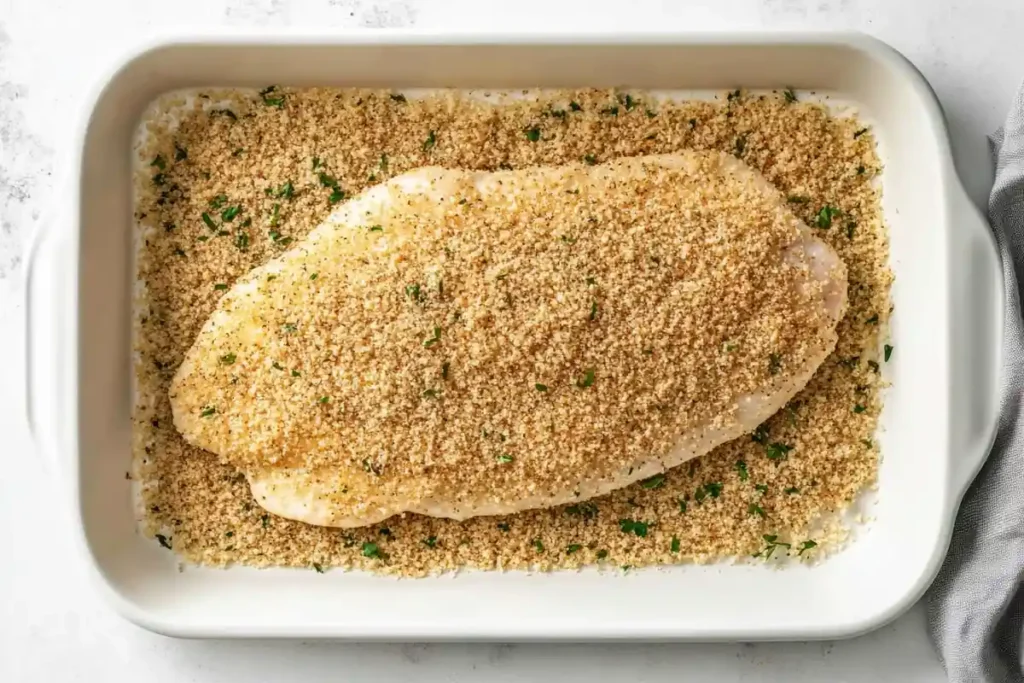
x=586, y=380
x=632, y=526
x=824, y=218
x=741, y=468
x=655, y=482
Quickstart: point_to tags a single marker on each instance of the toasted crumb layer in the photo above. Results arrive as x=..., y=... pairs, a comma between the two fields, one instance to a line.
x=227, y=192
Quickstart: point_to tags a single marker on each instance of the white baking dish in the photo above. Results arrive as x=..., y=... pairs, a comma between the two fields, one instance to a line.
x=938, y=422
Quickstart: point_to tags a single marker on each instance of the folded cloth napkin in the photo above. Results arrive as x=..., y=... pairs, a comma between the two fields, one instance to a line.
x=976, y=606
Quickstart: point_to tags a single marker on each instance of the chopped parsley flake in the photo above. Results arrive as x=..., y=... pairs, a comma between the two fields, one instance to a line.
x=824, y=218
x=797, y=199
x=242, y=241
x=587, y=379
x=611, y=111
x=774, y=363
x=674, y=547
x=601, y=554
x=629, y=102
x=209, y=221
x=790, y=95
x=290, y=327
x=265, y=519
x=850, y=227
x=538, y=545
x=179, y=153
x=376, y=228
x=296, y=373
x=777, y=451
x=873, y=320
x=397, y=97
x=220, y=286
x=218, y=201
x=741, y=467
x=323, y=399
x=771, y=543
x=159, y=162
x=756, y=510
x=286, y=191
x=589, y=159
x=593, y=310
x=540, y=387
x=427, y=343
x=414, y=292
x=761, y=488
x=791, y=490
x=228, y=214
x=164, y=541
x=858, y=408
x=429, y=143
x=682, y=506
x=503, y=526
x=859, y=133
x=655, y=482
x=430, y=393
x=713, y=489
x=533, y=134
x=888, y=353
x=208, y=411
x=575, y=106
x=430, y=541
x=228, y=358
x=631, y=526
x=504, y=459
x=268, y=98
x=572, y=548
x=371, y=550
x=806, y=545
x=314, y=276
x=336, y=196
x=444, y=370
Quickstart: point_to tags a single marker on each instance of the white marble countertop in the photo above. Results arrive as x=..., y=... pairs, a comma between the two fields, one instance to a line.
x=53, y=627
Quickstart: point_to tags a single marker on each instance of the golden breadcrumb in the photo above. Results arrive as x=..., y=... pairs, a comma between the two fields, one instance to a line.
x=235, y=183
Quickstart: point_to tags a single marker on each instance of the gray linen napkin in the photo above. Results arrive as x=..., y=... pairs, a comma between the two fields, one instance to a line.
x=976, y=606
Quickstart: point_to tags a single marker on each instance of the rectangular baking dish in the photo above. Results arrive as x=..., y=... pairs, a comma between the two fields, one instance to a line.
x=938, y=422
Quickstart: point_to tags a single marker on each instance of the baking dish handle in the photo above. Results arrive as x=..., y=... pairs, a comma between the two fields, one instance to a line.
x=42, y=280
x=978, y=296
